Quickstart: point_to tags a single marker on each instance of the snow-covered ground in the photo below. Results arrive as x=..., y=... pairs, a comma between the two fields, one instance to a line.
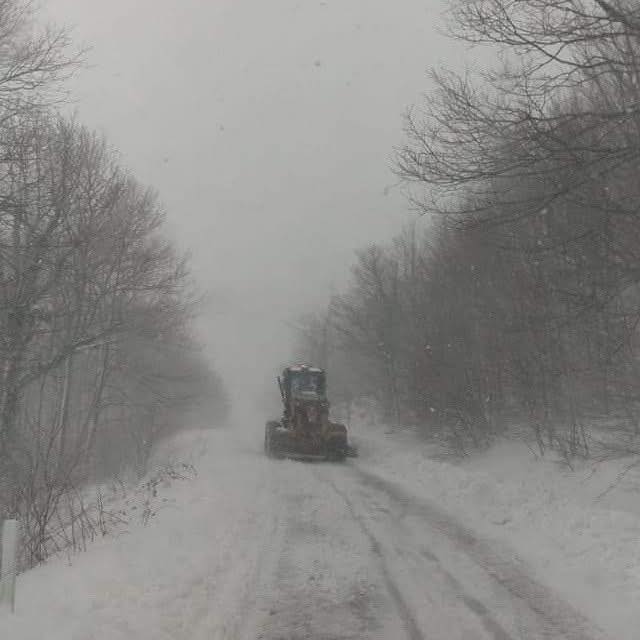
x=394, y=544
x=578, y=529
x=186, y=574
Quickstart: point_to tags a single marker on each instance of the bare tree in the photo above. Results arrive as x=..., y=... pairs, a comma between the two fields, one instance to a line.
x=34, y=62
x=95, y=307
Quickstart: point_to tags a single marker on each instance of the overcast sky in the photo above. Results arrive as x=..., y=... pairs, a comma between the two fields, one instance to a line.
x=268, y=127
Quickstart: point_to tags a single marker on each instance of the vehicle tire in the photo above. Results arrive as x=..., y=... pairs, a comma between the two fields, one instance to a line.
x=337, y=456
x=269, y=448
x=333, y=454
x=267, y=440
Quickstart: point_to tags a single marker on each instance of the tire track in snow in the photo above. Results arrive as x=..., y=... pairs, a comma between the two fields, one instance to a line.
x=256, y=602
x=495, y=630
x=320, y=586
x=560, y=620
x=491, y=625
x=408, y=619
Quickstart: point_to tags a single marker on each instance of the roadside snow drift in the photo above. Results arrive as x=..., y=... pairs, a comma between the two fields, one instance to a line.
x=185, y=574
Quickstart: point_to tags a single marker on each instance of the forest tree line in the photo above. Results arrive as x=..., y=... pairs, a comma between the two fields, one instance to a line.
x=97, y=357
x=519, y=300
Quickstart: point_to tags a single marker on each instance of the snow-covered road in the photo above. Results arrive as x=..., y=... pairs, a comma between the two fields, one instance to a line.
x=360, y=558
x=281, y=550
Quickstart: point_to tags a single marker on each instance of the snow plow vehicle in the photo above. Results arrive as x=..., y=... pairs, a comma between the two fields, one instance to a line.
x=305, y=431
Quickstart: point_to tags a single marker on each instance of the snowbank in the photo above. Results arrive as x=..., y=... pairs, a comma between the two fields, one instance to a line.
x=184, y=574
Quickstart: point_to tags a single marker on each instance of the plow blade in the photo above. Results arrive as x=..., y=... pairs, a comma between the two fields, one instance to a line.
x=280, y=442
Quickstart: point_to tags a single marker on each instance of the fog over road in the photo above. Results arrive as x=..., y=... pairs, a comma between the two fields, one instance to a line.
x=269, y=131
